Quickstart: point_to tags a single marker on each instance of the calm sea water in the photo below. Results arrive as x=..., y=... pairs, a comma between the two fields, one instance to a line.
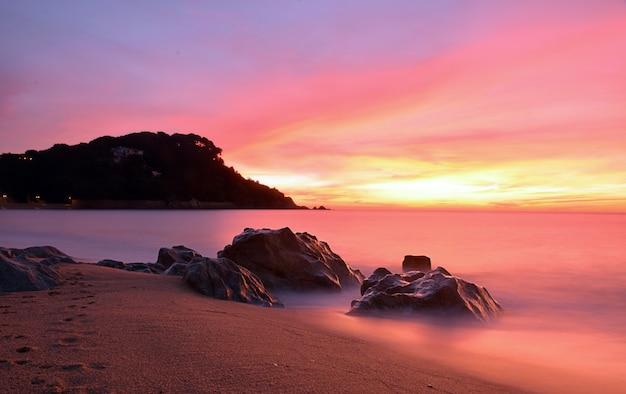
x=560, y=277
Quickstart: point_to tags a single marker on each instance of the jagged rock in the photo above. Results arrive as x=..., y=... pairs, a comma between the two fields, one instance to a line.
x=436, y=292
x=284, y=260
x=29, y=269
x=180, y=253
x=377, y=275
x=175, y=259
x=112, y=264
x=223, y=279
x=416, y=263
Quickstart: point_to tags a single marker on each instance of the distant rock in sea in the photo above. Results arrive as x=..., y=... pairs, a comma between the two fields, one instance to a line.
x=416, y=263
x=291, y=261
x=29, y=269
x=436, y=293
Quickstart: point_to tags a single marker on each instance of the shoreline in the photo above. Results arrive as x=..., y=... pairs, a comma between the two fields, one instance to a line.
x=139, y=205
x=107, y=330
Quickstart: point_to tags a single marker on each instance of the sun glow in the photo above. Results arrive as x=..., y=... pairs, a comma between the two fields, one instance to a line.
x=448, y=189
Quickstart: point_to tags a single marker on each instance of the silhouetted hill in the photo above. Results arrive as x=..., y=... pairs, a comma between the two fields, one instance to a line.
x=136, y=170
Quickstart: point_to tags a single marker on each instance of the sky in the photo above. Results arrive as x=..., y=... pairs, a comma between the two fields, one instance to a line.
x=447, y=104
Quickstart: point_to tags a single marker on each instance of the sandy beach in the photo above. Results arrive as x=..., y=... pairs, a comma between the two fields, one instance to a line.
x=107, y=330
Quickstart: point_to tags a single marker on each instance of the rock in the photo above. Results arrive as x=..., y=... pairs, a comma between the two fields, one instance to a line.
x=416, y=263
x=373, y=279
x=29, y=269
x=284, y=260
x=169, y=256
x=112, y=264
x=149, y=268
x=436, y=292
x=170, y=261
x=223, y=279
x=176, y=269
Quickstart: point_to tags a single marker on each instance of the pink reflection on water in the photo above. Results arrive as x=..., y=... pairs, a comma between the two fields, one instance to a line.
x=511, y=352
x=559, y=277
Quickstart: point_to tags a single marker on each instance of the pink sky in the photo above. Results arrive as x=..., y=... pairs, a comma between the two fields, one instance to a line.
x=473, y=104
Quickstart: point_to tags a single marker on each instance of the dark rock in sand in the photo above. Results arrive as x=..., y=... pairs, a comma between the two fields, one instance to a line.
x=223, y=279
x=436, y=292
x=149, y=268
x=29, y=269
x=176, y=269
x=416, y=263
x=112, y=264
x=284, y=260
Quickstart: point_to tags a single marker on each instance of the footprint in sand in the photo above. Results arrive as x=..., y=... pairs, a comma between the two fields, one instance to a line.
x=68, y=341
x=83, y=367
x=74, y=367
x=56, y=386
x=5, y=309
x=62, y=385
x=24, y=349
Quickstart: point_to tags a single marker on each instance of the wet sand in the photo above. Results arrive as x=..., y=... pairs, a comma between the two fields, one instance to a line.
x=107, y=330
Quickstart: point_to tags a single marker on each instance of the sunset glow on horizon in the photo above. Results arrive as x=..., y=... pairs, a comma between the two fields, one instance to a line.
x=448, y=105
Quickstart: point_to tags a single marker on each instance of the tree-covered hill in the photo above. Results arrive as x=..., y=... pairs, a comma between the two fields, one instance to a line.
x=167, y=170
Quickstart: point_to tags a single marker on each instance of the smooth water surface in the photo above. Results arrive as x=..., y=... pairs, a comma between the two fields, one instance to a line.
x=561, y=278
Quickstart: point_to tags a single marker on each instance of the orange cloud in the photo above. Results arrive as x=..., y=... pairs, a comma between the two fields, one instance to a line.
x=511, y=121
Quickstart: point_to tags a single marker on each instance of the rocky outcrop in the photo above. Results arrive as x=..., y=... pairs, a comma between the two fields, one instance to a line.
x=416, y=263
x=176, y=254
x=284, y=260
x=150, y=268
x=29, y=269
x=170, y=261
x=436, y=293
x=221, y=278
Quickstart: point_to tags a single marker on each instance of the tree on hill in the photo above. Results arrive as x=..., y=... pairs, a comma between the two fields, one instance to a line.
x=133, y=167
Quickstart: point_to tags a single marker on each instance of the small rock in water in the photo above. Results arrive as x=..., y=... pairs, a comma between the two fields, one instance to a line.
x=416, y=263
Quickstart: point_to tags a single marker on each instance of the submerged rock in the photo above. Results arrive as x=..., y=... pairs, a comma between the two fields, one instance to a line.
x=223, y=279
x=436, y=292
x=29, y=269
x=284, y=260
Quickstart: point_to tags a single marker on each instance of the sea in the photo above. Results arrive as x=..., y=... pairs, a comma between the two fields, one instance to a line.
x=560, y=278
